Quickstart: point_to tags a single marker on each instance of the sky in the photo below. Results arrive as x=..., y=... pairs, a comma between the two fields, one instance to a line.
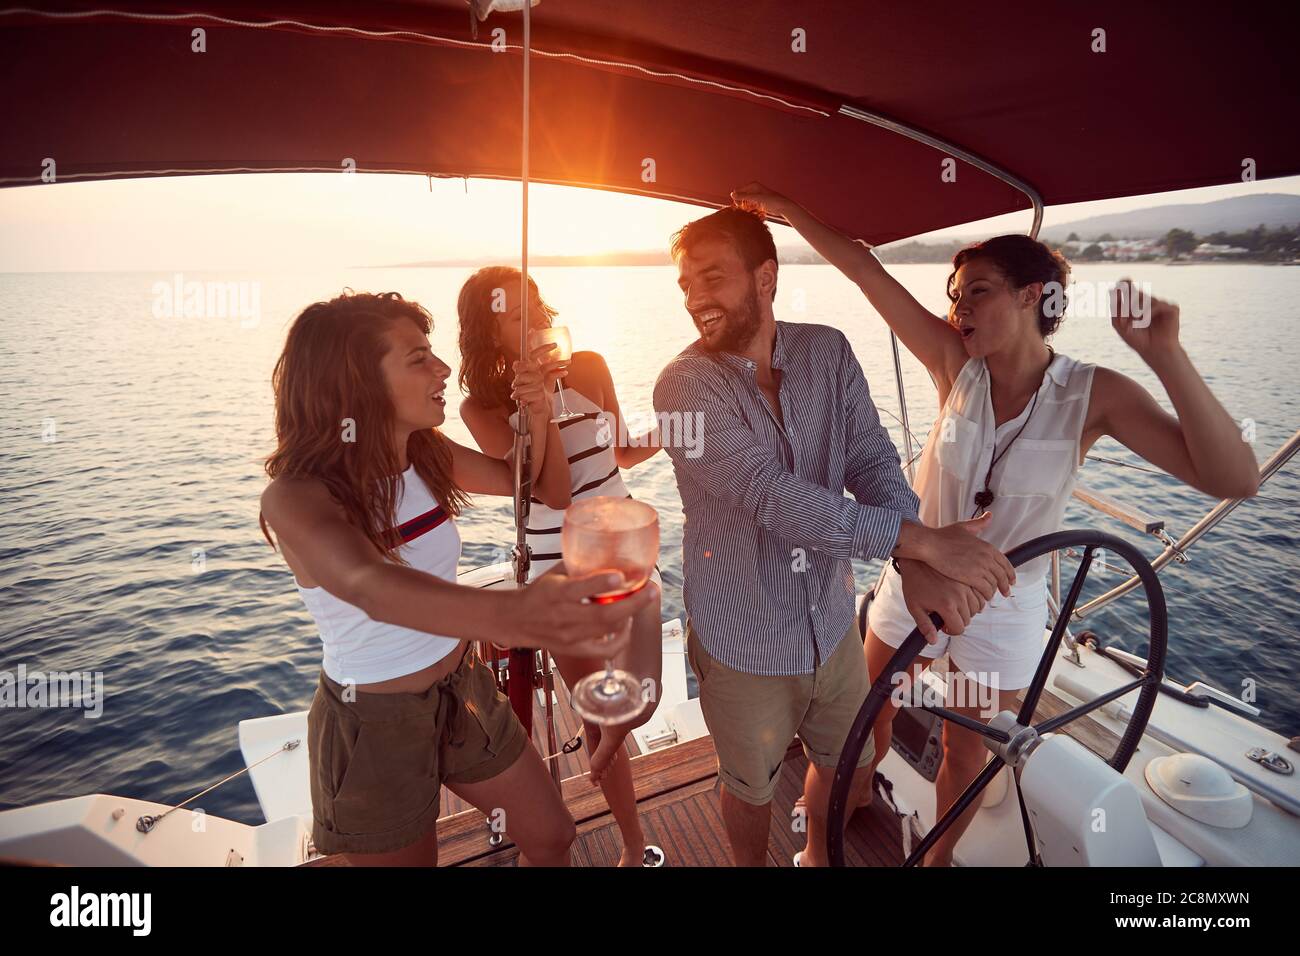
x=298, y=221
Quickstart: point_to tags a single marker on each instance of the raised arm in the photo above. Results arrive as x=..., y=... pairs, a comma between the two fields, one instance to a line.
x=335, y=554
x=1203, y=446
x=934, y=342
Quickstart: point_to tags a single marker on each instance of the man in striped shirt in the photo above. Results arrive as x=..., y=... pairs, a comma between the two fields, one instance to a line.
x=786, y=425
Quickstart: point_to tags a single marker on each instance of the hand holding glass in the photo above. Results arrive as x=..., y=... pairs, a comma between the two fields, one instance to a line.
x=610, y=534
x=558, y=337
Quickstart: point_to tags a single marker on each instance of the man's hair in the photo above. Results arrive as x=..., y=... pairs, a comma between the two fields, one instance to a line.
x=742, y=224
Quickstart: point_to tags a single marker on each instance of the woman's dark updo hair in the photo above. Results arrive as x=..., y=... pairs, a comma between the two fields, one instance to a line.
x=1023, y=261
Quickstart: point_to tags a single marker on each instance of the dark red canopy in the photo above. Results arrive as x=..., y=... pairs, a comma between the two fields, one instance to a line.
x=712, y=91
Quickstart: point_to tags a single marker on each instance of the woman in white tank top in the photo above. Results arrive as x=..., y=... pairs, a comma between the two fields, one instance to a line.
x=363, y=497
x=585, y=463
x=1014, y=424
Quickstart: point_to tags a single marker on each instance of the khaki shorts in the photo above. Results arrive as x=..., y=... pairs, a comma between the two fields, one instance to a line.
x=378, y=762
x=753, y=719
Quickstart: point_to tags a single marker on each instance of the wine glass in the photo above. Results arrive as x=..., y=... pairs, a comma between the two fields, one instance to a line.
x=600, y=535
x=556, y=336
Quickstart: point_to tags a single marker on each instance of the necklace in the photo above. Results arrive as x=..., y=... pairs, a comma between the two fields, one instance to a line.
x=985, y=498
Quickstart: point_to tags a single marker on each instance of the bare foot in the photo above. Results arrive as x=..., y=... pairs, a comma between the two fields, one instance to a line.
x=632, y=856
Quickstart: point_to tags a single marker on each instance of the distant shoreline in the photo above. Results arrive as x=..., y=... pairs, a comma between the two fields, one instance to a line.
x=536, y=264
x=574, y=262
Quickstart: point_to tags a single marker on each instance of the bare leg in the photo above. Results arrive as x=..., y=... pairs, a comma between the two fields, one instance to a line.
x=878, y=654
x=747, y=829
x=535, y=816
x=817, y=792
x=423, y=852
x=964, y=756
x=610, y=767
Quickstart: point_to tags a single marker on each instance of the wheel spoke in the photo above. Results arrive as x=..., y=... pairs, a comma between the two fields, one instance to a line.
x=974, y=726
x=1060, y=720
x=1146, y=683
x=959, y=806
x=1035, y=690
x=1029, y=827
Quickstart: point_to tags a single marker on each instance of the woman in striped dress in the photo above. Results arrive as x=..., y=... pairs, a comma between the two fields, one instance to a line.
x=585, y=463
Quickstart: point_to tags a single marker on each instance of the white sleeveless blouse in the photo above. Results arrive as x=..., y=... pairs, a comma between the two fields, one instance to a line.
x=359, y=649
x=1032, y=481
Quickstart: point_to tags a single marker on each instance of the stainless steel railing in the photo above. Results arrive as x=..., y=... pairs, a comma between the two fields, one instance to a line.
x=1175, y=550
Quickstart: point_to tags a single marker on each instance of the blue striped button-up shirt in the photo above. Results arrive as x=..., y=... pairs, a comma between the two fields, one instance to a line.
x=769, y=533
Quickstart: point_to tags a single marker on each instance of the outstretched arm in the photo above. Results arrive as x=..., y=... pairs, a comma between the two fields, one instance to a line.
x=733, y=466
x=640, y=447
x=873, y=475
x=548, y=613
x=934, y=342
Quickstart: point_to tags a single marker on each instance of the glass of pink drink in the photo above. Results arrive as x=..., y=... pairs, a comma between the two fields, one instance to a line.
x=603, y=535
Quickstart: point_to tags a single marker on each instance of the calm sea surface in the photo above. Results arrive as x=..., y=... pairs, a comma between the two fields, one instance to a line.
x=159, y=425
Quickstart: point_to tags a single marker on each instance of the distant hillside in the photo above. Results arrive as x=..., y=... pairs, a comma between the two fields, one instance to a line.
x=644, y=257
x=1236, y=214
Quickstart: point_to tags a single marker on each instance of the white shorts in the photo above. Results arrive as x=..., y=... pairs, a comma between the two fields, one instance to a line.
x=1000, y=648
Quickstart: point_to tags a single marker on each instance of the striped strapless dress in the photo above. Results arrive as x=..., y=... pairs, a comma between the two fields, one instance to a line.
x=589, y=447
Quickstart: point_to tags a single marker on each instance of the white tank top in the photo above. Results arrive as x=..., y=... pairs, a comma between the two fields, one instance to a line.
x=1032, y=481
x=589, y=447
x=361, y=650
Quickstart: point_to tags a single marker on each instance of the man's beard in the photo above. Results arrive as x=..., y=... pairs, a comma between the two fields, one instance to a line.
x=738, y=328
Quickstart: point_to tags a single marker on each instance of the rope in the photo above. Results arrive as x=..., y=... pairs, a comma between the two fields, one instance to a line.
x=416, y=35
x=147, y=822
x=570, y=745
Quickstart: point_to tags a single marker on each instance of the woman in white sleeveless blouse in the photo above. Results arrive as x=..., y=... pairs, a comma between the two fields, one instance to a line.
x=1015, y=422
x=585, y=463
x=365, y=523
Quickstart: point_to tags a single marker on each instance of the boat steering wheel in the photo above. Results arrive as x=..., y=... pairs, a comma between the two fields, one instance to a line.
x=1009, y=740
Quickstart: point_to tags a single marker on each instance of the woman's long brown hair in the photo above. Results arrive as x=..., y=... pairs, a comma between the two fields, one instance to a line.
x=484, y=376
x=334, y=418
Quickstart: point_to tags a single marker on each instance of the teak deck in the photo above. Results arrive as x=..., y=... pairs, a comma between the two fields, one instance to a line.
x=678, y=801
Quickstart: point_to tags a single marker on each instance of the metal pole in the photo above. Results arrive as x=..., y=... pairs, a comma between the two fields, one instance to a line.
x=911, y=132
x=902, y=408
x=523, y=667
